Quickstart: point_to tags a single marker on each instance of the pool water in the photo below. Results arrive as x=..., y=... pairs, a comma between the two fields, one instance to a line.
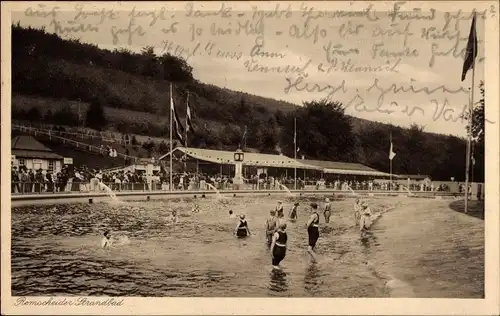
x=56, y=251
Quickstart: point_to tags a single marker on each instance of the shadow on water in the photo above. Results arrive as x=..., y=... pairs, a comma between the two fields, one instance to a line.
x=278, y=282
x=475, y=208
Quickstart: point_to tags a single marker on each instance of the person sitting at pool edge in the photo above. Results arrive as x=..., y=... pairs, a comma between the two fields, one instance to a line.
x=278, y=245
x=293, y=216
x=106, y=240
x=242, y=229
x=271, y=224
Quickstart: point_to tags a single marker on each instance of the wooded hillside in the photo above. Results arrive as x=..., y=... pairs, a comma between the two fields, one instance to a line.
x=53, y=78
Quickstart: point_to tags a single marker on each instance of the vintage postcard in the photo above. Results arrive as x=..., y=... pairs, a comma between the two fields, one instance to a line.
x=270, y=158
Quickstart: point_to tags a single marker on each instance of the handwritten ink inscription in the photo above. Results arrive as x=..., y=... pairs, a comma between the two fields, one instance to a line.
x=303, y=49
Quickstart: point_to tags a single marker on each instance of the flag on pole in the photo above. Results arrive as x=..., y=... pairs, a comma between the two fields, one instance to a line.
x=177, y=125
x=471, y=53
x=189, y=123
x=392, y=154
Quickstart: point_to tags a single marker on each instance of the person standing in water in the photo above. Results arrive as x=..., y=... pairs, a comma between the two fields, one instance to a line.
x=327, y=212
x=365, y=220
x=313, y=230
x=231, y=214
x=271, y=224
x=279, y=210
x=293, y=216
x=106, y=240
x=356, y=212
x=242, y=229
x=278, y=245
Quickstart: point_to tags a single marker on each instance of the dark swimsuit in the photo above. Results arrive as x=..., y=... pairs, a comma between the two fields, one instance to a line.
x=313, y=231
x=279, y=250
x=279, y=212
x=293, y=214
x=242, y=229
x=327, y=212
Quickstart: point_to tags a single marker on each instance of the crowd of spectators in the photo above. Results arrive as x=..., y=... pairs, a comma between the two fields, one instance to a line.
x=83, y=179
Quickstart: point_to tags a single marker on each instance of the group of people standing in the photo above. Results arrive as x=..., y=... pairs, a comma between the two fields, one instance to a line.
x=276, y=235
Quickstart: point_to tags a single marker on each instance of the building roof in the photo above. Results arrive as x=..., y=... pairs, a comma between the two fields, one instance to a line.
x=279, y=161
x=28, y=147
x=337, y=167
x=36, y=154
x=414, y=176
x=250, y=159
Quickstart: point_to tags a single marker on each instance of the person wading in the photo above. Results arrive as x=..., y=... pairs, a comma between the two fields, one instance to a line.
x=327, y=212
x=278, y=245
x=313, y=230
x=271, y=225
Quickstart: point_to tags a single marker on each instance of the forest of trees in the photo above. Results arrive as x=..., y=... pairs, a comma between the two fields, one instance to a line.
x=48, y=67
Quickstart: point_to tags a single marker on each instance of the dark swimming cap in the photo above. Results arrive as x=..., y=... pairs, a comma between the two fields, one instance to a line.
x=314, y=205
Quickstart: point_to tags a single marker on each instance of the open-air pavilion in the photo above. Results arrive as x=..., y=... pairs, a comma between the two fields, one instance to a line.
x=198, y=160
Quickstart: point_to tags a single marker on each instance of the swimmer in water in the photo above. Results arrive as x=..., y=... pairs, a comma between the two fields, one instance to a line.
x=173, y=218
x=279, y=210
x=231, y=214
x=196, y=208
x=292, y=216
x=313, y=230
x=106, y=240
x=271, y=225
x=278, y=245
x=365, y=220
x=242, y=229
x=327, y=212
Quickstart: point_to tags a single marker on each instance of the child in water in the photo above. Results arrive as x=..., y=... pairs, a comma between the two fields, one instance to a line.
x=242, y=229
x=196, y=208
x=231, y=214
x=292, y=216
x=278, y=245
x=106, y=240
x=271, y=224
x=173, y=218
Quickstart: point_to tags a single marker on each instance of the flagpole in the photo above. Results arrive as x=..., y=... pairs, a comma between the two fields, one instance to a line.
x=473, y=163
x=390, y=165
x=186, y=131
x=171, y=114
x=469, y=134
x=295, y=150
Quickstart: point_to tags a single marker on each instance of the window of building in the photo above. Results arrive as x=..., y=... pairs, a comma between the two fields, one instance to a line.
x=21, y=162
x=51, y=165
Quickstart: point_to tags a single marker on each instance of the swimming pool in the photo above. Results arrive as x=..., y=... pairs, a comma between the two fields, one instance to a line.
x=56, y=251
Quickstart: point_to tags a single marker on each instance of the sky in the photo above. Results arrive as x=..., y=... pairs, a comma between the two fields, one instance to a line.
x=299, y=37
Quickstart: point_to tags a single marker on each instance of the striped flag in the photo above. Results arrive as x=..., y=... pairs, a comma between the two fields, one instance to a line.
x=392, y=154
x=177, y=125
x=189, y=123
x=471, y=53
